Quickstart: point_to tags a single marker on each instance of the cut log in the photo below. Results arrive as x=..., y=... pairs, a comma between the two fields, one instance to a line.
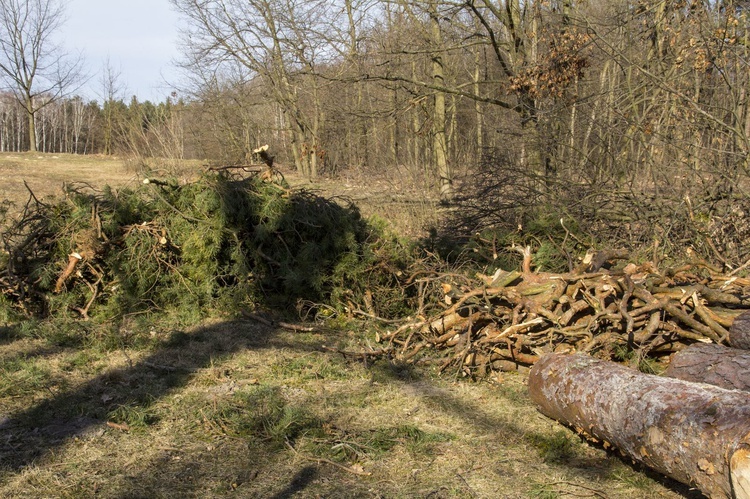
x=739, y=332
x=714, y=364
x=695, y=433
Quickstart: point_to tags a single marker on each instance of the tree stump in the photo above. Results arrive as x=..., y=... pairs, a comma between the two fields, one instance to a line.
x=739, y=332
x=713, y=364
x=695, y=433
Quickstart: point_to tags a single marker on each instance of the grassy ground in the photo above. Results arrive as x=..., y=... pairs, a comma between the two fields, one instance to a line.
x=233, y=407
x=45, y=173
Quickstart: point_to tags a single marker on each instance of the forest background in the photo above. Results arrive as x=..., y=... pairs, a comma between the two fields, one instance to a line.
x=627, y=118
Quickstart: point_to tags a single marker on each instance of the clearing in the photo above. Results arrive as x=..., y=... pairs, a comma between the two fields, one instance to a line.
x=235, y=407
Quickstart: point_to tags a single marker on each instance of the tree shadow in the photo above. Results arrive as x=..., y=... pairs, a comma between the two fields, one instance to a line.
x=33, y=352
x=35, y=432
x=32, y=435
x=299, y=482
x=8, y=334
x=597, y=469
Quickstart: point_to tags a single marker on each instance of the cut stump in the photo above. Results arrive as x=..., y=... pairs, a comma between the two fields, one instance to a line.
x=696, y=433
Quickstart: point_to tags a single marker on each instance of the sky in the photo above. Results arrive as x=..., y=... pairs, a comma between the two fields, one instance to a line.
x=140, y=38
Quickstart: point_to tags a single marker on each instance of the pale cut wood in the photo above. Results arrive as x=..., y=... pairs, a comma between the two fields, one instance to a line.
x=696, y=433
x=740, y=465
x=714, y=364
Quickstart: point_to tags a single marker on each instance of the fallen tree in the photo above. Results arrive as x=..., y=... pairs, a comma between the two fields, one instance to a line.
x=695, y=433
x=714, y=364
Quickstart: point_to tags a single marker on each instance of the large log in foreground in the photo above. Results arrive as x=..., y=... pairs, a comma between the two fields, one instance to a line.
x=695, y=433
x=713, y=364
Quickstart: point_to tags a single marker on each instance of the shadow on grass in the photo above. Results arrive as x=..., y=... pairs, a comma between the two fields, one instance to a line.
x=299, y=482
x=8, y=334
x=34, y=436
x=558, y=449
x=34, y=352
x=31, y=434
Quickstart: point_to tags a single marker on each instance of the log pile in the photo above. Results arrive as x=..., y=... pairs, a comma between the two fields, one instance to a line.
x=515, y=317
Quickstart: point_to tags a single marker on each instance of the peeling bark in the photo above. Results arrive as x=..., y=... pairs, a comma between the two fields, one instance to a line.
x=695, y=433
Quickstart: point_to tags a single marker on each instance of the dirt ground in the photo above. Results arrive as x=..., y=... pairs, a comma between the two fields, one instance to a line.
x=237, y=408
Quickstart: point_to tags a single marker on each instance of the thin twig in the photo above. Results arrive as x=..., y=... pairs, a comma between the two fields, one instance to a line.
x=322, y=460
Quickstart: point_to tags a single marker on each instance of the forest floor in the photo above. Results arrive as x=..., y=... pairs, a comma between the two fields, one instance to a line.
x=237, y=408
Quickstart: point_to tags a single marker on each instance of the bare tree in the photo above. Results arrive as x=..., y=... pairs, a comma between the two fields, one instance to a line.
x=31, y=63
x=280, y=43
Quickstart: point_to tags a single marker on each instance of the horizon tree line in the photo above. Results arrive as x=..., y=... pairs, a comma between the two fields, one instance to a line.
x=631, y=115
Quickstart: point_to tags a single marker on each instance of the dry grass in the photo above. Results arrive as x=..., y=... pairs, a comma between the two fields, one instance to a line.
x=406, y=202
x=210, y=411
x=237, y=408
x=45, y=174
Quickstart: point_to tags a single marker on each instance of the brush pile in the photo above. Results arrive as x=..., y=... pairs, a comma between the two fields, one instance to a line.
x=514, y=317
x=224, y=243
x=233, y=243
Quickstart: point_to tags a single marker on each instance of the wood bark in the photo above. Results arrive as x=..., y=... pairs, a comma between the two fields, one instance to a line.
x=714, y=364
x=739, y=332
x=439, y=139
x=695, y=433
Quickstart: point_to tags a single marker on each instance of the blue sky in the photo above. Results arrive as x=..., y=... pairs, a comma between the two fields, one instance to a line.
x=140, y=37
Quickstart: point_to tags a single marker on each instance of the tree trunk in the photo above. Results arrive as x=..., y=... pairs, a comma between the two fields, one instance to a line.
x=32, y=122
x=440, y=142
x=713, y=364
x=478, y=112
x=695, y=433
x=739, y=332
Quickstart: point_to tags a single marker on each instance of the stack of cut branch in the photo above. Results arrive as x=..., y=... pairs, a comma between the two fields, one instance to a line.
x=514, y=317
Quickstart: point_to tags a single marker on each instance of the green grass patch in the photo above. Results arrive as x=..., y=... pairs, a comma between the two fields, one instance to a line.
x=373, y=444
x=543, y=491
x=635, y=358
x=22, y=376
x=314, y=366
x=136, y=416
x=84, y=361
x=260, y=414
x=558, y=446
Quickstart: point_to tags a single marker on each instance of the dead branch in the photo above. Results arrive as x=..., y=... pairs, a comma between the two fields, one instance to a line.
x=519, y=316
